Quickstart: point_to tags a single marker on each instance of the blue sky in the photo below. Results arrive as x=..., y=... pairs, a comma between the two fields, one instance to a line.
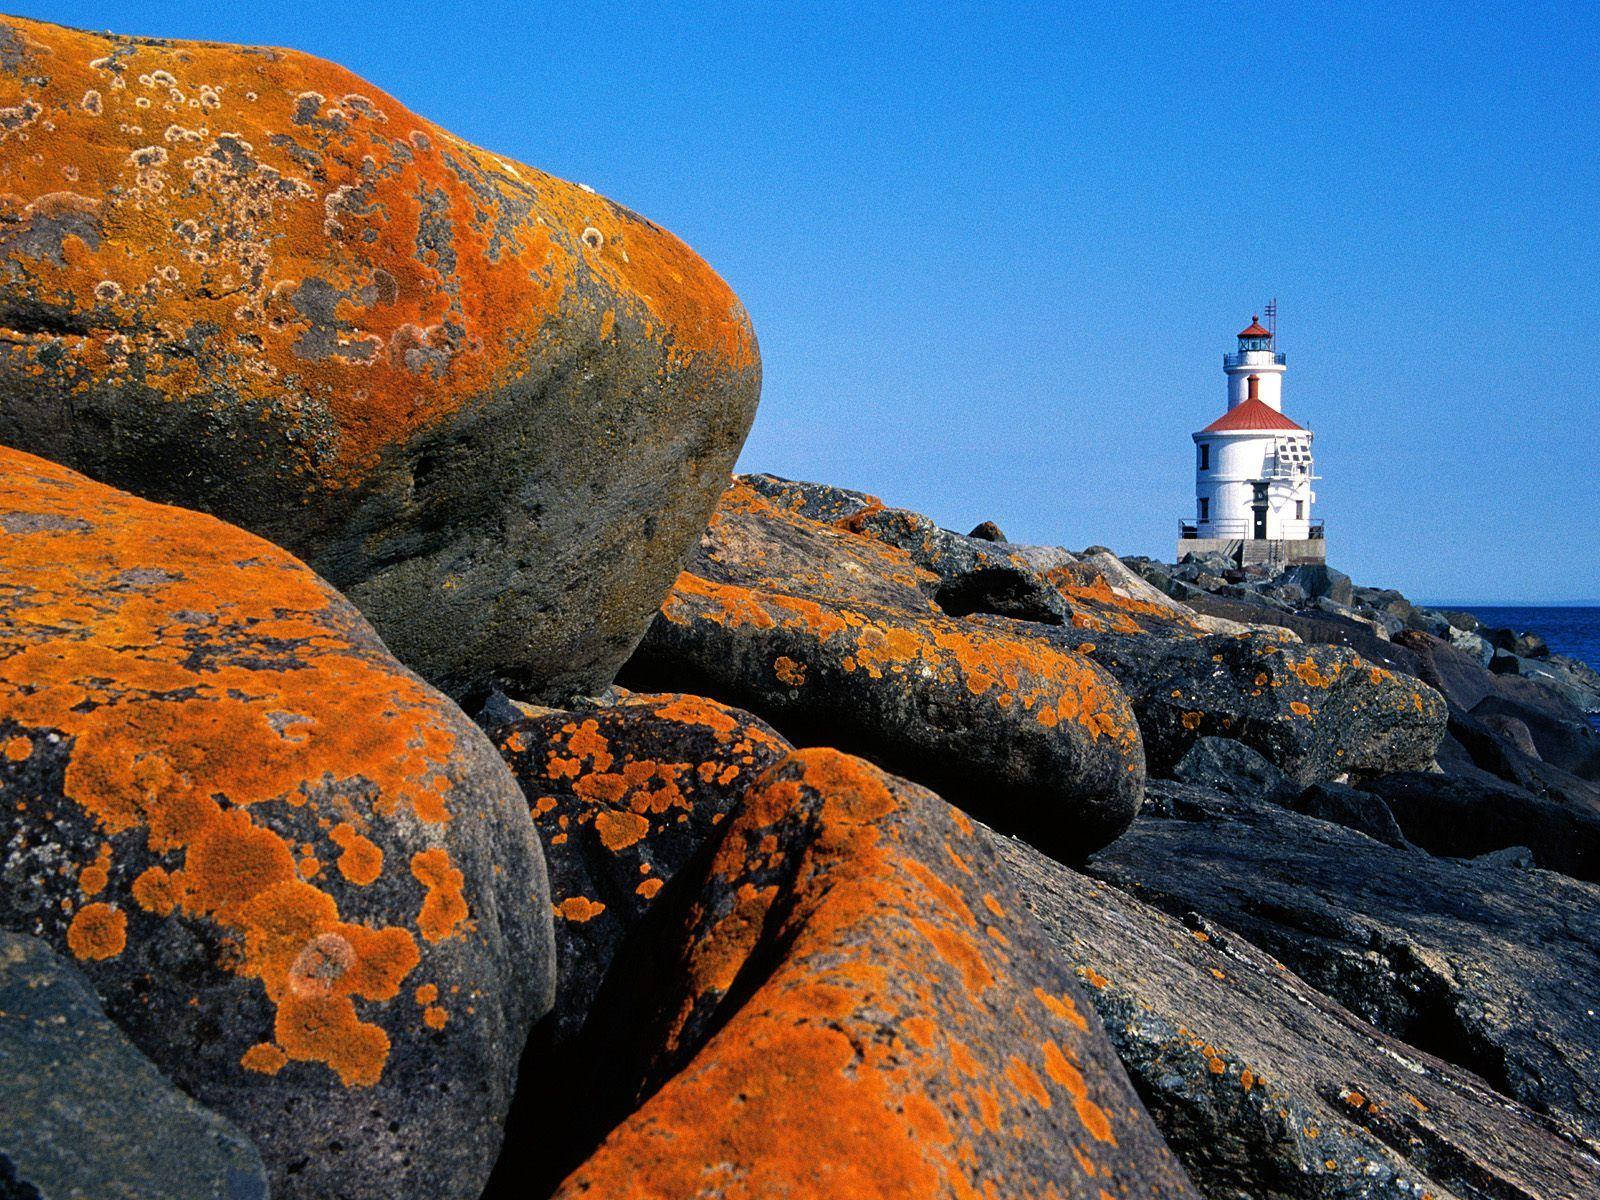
x=994, y=252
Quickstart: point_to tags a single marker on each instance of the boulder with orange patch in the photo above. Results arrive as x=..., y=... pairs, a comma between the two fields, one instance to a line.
x=1035, y=739
x=299, y=878
x=623, y=797
x=1315, y=712
x=854, y=1002
x=493, y=407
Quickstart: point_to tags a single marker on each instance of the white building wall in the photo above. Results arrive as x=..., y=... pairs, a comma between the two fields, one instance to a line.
x=1238, y=461
x=1256, y=362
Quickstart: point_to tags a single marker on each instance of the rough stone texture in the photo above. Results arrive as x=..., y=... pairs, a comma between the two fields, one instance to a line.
x=1229, y=766
x=87, y=1115
x=1464, y=817
x=1352, y=808
x=300, y=879
x=856, y=1004
x=1264, y=1087
x=493, y=407
x=623, y=796
x=1481, y=964
x=1035, y=739
x=1315, y=712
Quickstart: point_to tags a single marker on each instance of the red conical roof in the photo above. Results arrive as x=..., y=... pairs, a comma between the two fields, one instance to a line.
x=1250, y=416
x=1255, y=329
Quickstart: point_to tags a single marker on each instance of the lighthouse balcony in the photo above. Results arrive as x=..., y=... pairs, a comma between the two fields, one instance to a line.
x=1235, y=529
x=1254, y=358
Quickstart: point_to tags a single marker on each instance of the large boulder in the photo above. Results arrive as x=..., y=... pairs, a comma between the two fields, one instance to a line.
x=1481, y=964
x=623, y=796
x=1463, y=817
x=854, y=1002
x=301, y=880
x=493, y=407
x=1264, y=1086
x=1035, y=739
x=87, y=1115
x=1314, y=712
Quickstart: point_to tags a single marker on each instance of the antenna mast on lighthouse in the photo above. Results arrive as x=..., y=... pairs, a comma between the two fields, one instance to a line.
x=1272, y=320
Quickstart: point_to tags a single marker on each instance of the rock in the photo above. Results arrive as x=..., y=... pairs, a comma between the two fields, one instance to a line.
x=1314, y=712
x=1429, y=621
x=1316, y=627
x=1514, y=730
x=493, y=407
x=623, y=796
x=1517, y=858
x=1576, y=682
x=1226, y=765
x=1352, y=808
x=1463, y=621
x=88, y=1115
x=1471, y=644
x=302, y=882
x=1560, y=732
x=1475, y=964
x=1262, y=1085
x=965, y=575
x=1319, y=579
x=753, y=542
x=1463, y=818
x=1531, y=645
x=1035, y=739
x=987, y=531
x=855, y=1003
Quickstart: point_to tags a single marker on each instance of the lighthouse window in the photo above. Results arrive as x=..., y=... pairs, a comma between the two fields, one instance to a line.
x=1299, y=510
x=1205, y=459
x=1205, y=510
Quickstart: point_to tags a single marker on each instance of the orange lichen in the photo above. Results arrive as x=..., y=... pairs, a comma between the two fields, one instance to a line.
x=435, y=1017
x=18, y=748
x=264, y=1058
x=378, y=267
x=98, y=931
x=157, y=891
x=579, y=908
x=789, y=671
x=444, y=906
x=361, y=861
x=93, y=878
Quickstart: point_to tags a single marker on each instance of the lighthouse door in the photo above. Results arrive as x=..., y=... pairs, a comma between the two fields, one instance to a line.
x=1261, y=521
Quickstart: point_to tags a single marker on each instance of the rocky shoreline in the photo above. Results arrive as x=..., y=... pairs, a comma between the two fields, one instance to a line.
x=426, y=770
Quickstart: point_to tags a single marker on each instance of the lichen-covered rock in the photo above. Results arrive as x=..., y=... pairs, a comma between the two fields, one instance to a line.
x=1264, y=1086
x=856, y=1004
x=1034, y=739
x=623, y=797
x=87, y=1115
x=300, y=879
x=1315, y=712
x=492, y=406
x=1483, y=965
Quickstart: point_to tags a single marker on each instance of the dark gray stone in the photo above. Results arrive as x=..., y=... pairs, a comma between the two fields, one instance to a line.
x=1491, y=969
x=1265, y=1087
x=1227, y=765
x=85, y=1114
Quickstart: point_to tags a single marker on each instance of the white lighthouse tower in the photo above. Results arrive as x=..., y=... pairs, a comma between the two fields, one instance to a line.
x=1253, y=476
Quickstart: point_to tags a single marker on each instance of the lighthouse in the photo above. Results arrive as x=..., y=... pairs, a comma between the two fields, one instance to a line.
x=1253, y=470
